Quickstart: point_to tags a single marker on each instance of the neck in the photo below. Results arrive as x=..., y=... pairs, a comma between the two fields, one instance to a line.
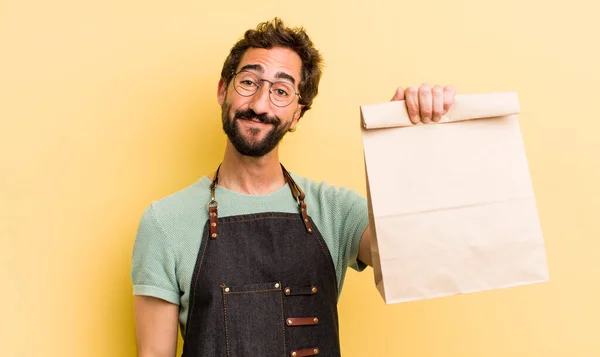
x=250, y=175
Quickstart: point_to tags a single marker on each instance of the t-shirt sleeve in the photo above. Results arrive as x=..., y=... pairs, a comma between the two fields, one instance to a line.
x=356, y=223
x=153, y=269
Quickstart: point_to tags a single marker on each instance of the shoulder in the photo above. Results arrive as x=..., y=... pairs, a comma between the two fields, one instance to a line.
x=181, y=211
x=177, y=202
x=328, y=196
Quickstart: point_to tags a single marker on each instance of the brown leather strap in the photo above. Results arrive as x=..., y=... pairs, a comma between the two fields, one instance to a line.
x=299, y=196
x=305, y=352
x=301, y=321
x=297, y=192
x=213, y=207
x=213, y=218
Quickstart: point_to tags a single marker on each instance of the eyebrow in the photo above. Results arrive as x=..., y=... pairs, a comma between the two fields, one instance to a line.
x=283, y=75
x=259, y=68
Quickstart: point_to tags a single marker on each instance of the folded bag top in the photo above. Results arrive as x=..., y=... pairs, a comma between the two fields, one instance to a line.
x=467, y=107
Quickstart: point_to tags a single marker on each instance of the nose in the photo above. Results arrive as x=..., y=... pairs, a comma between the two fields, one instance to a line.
x=260, y=101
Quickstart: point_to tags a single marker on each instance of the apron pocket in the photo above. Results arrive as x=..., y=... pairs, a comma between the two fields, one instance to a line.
x=254, y=322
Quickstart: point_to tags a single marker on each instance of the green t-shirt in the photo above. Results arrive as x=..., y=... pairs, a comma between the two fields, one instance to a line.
x=171, y=230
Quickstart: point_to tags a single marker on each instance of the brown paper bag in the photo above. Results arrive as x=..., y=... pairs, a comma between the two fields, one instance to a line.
x=452, y=206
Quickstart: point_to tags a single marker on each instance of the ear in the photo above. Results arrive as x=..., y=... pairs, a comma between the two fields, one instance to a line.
x=297, y=114
x=221, y=92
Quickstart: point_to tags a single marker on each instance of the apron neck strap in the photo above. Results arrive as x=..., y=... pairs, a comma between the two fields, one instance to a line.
x=296, y=192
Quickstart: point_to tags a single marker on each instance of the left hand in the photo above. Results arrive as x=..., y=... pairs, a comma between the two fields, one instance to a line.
x=426, y=104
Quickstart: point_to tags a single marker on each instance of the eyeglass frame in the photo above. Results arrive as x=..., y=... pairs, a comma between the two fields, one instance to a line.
x=259, y=86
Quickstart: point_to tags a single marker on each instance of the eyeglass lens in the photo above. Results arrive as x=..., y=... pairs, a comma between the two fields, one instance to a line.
x=247, y=83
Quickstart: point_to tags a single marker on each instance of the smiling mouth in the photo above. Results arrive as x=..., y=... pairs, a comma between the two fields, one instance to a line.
x=254, y=120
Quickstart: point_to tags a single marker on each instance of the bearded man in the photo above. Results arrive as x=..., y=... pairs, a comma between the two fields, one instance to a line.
x=250, y=260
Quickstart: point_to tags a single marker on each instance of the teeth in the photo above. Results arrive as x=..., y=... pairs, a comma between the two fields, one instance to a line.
x=256, y=120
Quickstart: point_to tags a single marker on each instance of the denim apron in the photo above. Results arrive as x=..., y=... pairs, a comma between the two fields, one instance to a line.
x=263, y=285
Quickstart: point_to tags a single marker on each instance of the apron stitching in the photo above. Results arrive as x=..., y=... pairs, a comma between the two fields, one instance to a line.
x=282, y=323
x=330, y=264
x=193, y=292
x=226, y=331
x=256, y=219
x=250, y=291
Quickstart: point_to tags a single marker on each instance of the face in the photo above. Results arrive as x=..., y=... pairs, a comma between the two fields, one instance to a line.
x=253, y=124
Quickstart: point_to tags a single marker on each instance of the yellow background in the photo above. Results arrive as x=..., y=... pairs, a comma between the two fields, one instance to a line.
x=107, y=105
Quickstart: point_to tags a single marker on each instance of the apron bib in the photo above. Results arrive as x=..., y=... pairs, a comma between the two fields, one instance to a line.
x=263, y=285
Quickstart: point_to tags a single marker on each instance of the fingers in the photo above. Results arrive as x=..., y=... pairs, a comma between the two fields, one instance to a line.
x=449, y=93
x=438, y=103
x=399, y=95
x=411, y=98
x=425, y=103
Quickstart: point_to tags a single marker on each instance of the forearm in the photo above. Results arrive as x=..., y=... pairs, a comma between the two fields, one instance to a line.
x=156, y=327
x=146, y=350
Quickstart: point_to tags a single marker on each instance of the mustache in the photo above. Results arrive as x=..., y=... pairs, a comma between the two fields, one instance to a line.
x=250, y=114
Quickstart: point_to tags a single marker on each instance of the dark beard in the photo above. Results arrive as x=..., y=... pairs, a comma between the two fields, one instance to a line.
x=245, y=147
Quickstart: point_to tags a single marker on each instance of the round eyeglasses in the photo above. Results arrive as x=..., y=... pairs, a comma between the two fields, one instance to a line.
x=281, y=93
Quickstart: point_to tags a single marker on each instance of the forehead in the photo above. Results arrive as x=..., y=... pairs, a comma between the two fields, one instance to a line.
x=273, y=60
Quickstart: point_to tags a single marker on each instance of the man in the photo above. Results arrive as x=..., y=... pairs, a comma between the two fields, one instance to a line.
x=251, y=261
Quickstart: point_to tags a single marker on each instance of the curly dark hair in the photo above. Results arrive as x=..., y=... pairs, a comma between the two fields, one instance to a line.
x=275, y=34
